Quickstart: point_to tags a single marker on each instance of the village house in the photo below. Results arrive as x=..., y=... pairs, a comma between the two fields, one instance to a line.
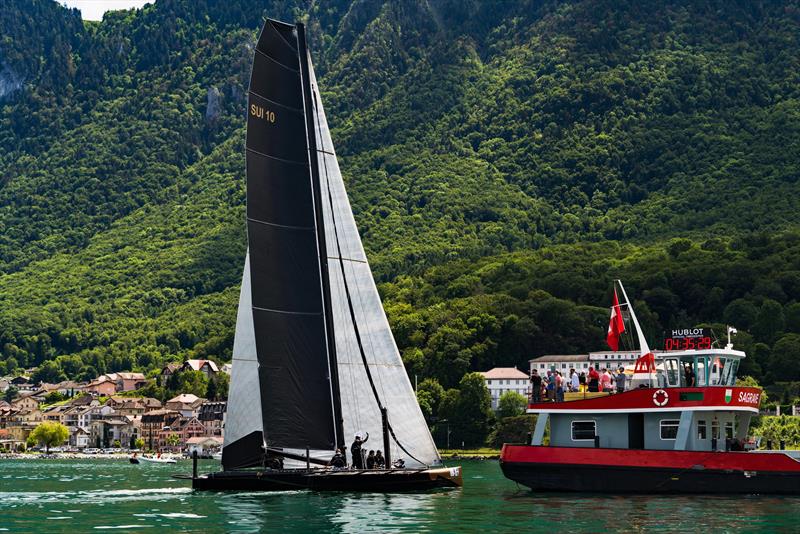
x=21, y=422
x=102, y=385
x=133, y=406
x=26, y=402
x=105, y=432
x=152, y=423
x=207, y=367
x=185, y=428
x=167, y=371
x=186, y=403
x=79, y=437
x=212, y=415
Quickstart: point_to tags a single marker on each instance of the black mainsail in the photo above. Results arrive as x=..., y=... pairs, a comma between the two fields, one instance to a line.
x=313, y=349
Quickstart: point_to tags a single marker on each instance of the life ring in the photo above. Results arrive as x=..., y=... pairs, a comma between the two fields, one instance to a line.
x=660, y=394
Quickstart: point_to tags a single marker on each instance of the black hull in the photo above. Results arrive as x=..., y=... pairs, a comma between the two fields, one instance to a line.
x=397, y=480
x=606, y=479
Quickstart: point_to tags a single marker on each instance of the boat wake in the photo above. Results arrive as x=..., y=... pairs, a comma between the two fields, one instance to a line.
x=94, y=496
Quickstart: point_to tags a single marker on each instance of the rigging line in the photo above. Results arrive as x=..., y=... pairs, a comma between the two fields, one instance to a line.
x=352, y=311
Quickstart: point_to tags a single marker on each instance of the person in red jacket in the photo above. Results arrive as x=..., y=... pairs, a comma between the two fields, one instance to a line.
x=594, y=379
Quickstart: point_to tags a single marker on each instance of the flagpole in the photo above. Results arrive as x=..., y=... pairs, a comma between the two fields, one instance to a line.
x=643, y=346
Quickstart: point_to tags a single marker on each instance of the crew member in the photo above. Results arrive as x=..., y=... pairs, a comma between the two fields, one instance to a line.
x=355, y=450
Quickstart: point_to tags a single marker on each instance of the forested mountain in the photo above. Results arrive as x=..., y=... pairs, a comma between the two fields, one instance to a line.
x=505, y=161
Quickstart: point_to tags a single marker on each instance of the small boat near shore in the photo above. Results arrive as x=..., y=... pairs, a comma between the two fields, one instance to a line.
x=679, y=426
x=158, y=459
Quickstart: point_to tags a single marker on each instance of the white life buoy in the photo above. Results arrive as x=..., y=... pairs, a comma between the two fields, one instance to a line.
x=660, y=394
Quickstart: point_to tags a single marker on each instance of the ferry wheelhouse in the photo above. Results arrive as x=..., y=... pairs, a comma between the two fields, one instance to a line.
x=680, y=425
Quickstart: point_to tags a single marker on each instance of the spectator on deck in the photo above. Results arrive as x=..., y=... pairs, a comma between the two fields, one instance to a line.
x=582, y=382
x=594, y=380
x=380, y=461
x=559, y=387
x=619, y=380
x=371, y=460
x=605, y=381
x=536, y=387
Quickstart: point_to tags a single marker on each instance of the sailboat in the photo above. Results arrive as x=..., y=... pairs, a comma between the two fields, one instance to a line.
x=314, y=359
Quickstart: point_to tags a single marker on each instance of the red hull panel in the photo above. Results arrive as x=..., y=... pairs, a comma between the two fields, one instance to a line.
x=738, y=461
x=650, y=472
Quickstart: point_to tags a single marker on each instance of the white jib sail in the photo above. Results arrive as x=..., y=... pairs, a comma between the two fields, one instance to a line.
x=244, y=398
x=359, y=408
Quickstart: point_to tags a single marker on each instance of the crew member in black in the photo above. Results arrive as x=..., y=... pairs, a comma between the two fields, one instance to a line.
x=371, y=460
x=338, y=461
x=380, y=461
x=690, y=376
x=355, y=450
x=536, y=387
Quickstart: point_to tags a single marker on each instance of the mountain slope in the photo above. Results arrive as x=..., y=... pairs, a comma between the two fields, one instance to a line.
x=471, y=134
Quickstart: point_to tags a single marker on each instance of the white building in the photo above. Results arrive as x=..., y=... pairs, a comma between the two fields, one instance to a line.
x=502, y=379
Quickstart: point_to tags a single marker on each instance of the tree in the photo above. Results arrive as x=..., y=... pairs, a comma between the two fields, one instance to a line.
x=117, y=444
x=49, y=372
x=474, y=415
x=173, y=440
x=54, y=397
x=511, y=404
x=11, y=393
x=425, y=401
x=512, y=430
x=190, y=381
x=50, y=434
x=785, y=361
x=218, y=387
x=138, y=443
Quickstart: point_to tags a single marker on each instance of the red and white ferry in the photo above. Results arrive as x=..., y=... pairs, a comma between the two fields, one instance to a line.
x=679, y=426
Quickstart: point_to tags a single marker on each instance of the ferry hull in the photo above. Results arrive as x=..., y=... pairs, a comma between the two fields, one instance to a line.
x=568, y=469
x=374, y=480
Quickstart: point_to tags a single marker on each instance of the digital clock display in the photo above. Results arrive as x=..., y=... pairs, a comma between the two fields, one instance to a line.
x=688, y=339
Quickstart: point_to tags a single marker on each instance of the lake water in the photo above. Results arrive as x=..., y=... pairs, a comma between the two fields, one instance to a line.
x=97, y=495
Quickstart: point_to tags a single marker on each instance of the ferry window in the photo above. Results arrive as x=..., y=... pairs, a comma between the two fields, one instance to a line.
x=669, y=428
x=734, y=365
x=729, y=429
x=701, y=430
x=673, y=376
x=700, y=371
x=714, y=429
x=583, y=430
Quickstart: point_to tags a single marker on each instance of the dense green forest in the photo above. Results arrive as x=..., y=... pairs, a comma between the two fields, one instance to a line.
x=505, y=161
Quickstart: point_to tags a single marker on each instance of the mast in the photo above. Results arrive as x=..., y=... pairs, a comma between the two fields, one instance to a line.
x=308, y=103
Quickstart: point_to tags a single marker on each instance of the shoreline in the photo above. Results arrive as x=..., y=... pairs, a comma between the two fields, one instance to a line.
x=75, y=456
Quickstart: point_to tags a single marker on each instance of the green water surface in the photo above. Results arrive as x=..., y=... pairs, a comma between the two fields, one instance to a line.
x=95, y=495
